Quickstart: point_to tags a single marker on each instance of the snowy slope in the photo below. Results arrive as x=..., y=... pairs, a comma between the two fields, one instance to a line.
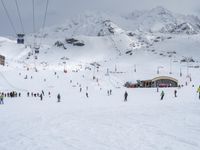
x=109, y=48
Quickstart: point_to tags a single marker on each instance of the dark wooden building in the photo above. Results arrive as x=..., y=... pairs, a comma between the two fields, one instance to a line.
x=2, y=60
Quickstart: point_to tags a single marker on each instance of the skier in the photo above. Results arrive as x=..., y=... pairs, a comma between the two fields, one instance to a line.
x=198, y=91
x=80, y=90
x=28, y=94
x=87, y=95
x=1, y=99
x=110, y=92
x=175, y=93
x=157, y=89
x=41, y=96
x=42, y=92
x=162, y=95
x=125, y=96
x=58, y=97
x=49, y=94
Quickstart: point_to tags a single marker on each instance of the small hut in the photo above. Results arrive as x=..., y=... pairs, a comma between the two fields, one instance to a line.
x=2, y=60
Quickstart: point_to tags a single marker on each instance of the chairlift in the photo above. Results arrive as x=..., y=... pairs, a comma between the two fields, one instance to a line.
x=37, y=47
x=29, y=54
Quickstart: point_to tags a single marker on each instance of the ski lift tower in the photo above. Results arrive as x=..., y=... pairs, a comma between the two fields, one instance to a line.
x=20, y=38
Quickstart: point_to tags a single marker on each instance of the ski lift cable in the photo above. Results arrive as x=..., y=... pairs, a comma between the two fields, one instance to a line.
x=9, y=18
x=43, y=23
x=44, y=20
x=33, y=9
x=45, y=16
x=19, y=15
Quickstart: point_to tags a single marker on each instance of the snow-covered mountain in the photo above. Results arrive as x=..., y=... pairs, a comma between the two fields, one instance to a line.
x=100, y=36
x=160, y=19
x=87, y=61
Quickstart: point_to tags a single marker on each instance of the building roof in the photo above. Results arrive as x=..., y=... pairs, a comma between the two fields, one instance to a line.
x=165, y=77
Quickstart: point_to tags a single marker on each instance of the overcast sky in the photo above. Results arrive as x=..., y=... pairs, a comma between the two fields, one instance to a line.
x=60, y=10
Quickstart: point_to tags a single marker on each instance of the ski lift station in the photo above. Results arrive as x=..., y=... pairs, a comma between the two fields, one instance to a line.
x=161, y=81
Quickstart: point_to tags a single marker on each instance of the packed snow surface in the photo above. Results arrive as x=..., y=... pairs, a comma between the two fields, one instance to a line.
x=93, y=54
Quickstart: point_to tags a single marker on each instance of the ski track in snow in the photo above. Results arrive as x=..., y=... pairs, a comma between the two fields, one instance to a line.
x=101, y=122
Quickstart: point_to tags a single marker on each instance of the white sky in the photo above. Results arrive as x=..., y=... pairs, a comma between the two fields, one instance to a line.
x=60, y=10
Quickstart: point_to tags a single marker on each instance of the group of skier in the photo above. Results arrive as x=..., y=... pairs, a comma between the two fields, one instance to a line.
x=12, y=94
x=42, y=94
x=163, y=94
x=38, y=94
x=175, y=93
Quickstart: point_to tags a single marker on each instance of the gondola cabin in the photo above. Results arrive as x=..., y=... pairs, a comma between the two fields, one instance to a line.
x=20, y=38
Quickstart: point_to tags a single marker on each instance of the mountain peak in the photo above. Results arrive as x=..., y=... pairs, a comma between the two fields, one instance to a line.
x=161, y=10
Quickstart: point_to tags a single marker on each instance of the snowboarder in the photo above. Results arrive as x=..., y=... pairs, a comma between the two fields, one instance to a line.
x=198, y=91
x=175, y=93
x=162, y=95
x=58, y=97
x=125, y=96
x=1, y=99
